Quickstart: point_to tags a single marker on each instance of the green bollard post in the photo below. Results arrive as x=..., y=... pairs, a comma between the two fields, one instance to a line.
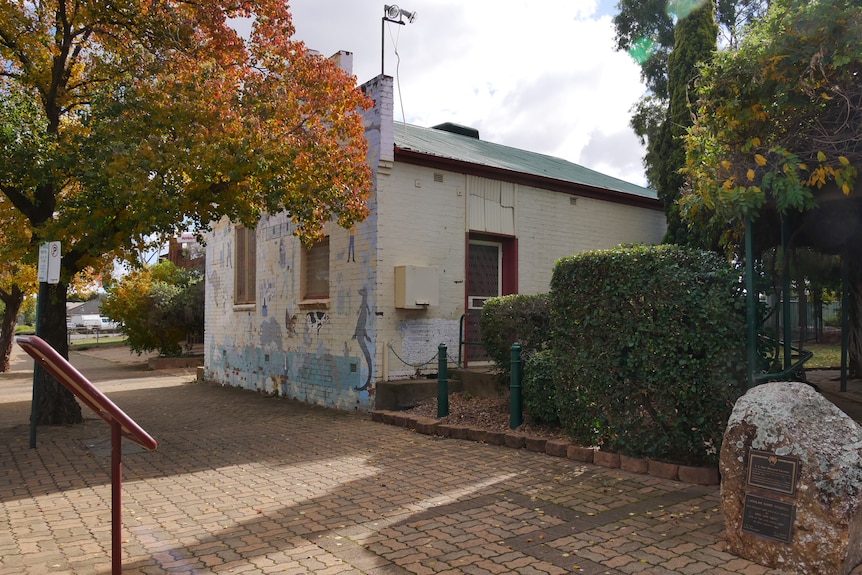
x=516, y=410
x=442, y=382
x=750, y=302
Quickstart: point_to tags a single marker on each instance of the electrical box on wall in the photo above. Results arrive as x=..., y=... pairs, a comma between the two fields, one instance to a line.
x=416, y=287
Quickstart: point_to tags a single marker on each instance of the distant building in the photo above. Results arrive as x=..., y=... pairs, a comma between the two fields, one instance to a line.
x=91, y=307
x=185, y=252
x=453, y=221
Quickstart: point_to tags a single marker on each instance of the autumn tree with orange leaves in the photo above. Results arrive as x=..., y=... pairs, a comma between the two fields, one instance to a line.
x=17, y=278
x=136, y=119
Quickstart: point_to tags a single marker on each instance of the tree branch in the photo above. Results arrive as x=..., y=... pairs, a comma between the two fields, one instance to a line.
x=20, y=201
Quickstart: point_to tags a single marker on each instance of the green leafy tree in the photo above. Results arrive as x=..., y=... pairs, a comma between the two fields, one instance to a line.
x=645, y=29
x=134, y=118
x=777, y=136
x=669, y=40
x=157, y=307
x=17, y=276
x=695, y=43
x=28, y=311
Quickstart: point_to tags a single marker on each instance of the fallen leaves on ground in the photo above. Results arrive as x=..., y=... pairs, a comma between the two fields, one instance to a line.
x=489, y=413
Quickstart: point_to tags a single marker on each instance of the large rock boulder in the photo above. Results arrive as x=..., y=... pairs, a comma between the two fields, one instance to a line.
x=792, y=481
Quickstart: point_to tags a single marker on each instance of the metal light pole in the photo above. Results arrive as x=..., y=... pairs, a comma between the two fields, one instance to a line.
x=395, y=15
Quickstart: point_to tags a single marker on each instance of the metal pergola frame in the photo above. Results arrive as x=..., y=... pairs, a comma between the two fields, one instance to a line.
x=755, y=378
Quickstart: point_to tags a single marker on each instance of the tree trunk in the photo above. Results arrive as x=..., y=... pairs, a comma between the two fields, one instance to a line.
x=13, y=300
x=57, y=405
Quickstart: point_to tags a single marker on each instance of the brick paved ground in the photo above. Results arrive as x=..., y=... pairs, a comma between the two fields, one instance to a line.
x=243, y=483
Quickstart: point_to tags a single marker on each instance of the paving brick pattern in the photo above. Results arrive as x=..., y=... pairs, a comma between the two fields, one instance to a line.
x=246, y=484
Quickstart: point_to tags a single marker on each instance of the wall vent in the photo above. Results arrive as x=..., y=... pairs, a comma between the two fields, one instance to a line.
x=438, y=177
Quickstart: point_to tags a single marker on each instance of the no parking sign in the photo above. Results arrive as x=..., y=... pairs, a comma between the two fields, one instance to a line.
x=49, y=262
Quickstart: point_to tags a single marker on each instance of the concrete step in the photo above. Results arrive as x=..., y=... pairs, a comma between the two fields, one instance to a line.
x=405, y=393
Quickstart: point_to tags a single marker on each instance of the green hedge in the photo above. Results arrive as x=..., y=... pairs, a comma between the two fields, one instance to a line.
x=650, y=342
x=539, y=387
x=518, y=318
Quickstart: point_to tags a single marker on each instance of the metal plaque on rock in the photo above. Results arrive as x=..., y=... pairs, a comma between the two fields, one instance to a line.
x=768, y=518
x=772, y=472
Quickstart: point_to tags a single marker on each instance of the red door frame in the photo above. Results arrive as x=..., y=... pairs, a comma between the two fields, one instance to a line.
x=509, y=272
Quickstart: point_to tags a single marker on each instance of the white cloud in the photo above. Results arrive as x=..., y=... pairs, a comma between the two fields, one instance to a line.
x=541, y=76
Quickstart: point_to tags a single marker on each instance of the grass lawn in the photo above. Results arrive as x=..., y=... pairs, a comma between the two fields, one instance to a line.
x=825, y=355
x=102, y=341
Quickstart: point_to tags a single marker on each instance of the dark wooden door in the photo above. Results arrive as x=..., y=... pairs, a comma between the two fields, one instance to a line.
x=484, y=274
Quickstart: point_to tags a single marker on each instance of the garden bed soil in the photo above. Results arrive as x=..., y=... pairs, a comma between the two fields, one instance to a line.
x=490, y=414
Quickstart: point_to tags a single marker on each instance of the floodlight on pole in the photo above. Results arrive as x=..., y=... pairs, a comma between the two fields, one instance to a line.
x=392, y=13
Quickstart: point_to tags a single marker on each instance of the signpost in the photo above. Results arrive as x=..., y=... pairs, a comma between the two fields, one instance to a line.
x=121, y=426
x=49, y=263
x=48, y=273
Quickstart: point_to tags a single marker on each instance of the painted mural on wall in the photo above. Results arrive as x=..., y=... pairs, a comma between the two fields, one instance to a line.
x=364, y=339
x=314, y=320
x=351, y=245
x=216, y=264
x=318, y=356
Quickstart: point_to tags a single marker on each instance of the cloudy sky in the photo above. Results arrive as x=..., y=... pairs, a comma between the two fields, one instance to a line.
x=540, y=75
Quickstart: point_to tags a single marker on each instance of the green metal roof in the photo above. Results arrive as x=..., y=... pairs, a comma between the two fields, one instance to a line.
x=443, y=144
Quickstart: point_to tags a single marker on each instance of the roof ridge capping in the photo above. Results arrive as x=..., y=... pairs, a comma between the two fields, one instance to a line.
x=452, y=144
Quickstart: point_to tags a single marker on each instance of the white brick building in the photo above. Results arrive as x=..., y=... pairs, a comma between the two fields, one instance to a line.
x=453, y=220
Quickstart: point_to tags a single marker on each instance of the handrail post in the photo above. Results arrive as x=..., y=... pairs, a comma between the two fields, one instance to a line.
x=516, y=415
x=442, y=382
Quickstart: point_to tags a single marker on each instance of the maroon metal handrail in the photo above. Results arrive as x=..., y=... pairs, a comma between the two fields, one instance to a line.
x=121, y=426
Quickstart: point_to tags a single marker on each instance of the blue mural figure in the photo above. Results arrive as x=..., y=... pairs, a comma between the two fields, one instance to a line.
x=362, y=337
x=351, y=246
x=270, y=334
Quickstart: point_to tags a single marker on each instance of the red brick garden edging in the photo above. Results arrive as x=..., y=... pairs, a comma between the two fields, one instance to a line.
x=556, y=447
